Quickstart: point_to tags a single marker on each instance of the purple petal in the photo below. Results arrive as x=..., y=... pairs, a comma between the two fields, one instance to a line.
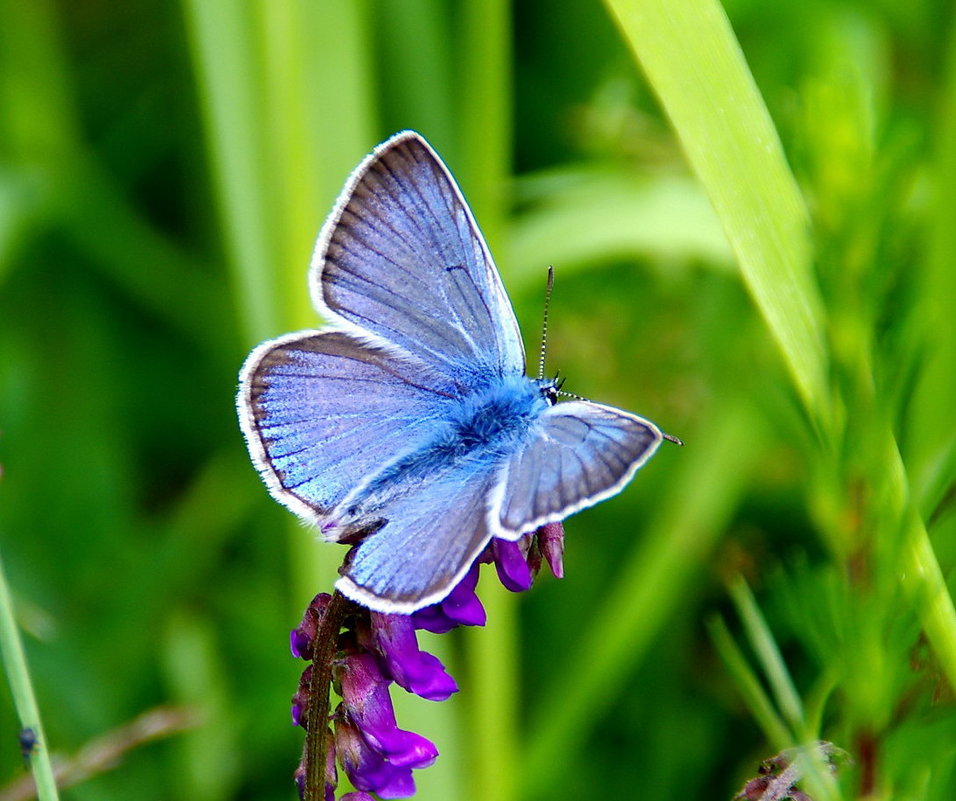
x=399, y=784
x=462, y=604
x=357, y=795
x=512, y=567
x=365, y=696
x=433, y=619
x=551, y=543
x=416, y=671
x=461, y=608
x=367, y=769
x=303, y=635
x=300, y=701
x=331, y=772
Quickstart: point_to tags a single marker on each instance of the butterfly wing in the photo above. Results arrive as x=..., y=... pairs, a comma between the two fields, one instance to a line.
x=321, y=411
x=403, y=273
x=428, y=542
x=401, y=262
x=579, y=454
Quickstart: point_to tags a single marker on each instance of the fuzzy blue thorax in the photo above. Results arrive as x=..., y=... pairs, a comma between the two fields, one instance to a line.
x=485, y=422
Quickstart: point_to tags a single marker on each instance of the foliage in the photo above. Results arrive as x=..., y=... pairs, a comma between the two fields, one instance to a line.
x=164, y=169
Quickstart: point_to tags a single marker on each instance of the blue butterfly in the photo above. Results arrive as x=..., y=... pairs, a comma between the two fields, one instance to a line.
x=408, y=425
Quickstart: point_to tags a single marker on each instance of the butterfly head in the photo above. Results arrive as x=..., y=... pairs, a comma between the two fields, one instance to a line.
x=550, y=388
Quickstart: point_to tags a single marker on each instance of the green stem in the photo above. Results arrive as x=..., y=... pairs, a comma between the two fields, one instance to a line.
x=21, y=688
x=484, y=172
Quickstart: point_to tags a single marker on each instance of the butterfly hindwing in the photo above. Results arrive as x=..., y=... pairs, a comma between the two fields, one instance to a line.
x=426, y=545
x=579, y=453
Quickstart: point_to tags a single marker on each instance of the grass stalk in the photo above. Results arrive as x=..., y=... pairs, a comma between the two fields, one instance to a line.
x=484, y=172
x=21, y=688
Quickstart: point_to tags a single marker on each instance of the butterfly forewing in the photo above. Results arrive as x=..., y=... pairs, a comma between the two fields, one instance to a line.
x=402, y=259
x=322, y=411
x=578, y=454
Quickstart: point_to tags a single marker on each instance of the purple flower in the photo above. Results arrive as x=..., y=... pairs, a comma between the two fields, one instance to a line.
x=300, y=701
x=511, y=564
x=331, y=774
x=550, y=539
x=366, y=700
x=416, y=671
x=370, y=650
x=302, y=637
x=461, y=608
x=366, y=768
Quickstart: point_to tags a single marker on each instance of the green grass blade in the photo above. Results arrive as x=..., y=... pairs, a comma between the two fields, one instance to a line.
x=921, y=572
x=227, y=70
x=930, y=423
x=764, y=645
x=585, y=217
x=692, y=59
x=484, y=172
x=304, y=46
x=21, y=688
x=751, y=690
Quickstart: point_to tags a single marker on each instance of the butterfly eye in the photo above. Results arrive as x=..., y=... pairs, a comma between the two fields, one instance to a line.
x=550, y=392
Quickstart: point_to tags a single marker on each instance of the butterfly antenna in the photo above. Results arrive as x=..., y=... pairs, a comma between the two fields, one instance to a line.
x=544, y=326
x=672, y=438
x=565, y=394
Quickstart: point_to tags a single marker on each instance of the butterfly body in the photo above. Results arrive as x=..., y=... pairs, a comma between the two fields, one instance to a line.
x=408, y=426
x=487, y=425
x=476, y=434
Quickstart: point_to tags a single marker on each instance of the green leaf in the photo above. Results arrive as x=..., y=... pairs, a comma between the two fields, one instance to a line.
x=691, y=58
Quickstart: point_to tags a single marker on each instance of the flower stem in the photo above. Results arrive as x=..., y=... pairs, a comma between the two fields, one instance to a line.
x=317, y=743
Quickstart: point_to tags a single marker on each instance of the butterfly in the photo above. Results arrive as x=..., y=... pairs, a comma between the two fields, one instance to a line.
x=408, y=425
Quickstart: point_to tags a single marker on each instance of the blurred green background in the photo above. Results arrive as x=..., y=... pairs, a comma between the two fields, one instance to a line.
x=164, y=169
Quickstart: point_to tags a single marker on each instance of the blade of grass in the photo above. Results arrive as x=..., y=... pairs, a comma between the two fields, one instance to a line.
x=931, y=418
x=227, y=68
x=21, y=689
x=589, y=216
x=304, y=46
x=484, y=173
x=921, y=572
x=751, y=690
x=416, y=58
x=692, y=59
x=764, y=645
x=690, y=55
x=781, y=736
x=36, y=108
